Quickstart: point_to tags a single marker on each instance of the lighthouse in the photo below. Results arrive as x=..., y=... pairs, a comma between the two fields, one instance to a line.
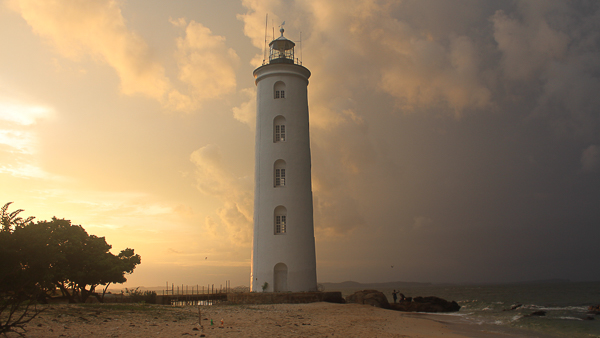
x=283, y=253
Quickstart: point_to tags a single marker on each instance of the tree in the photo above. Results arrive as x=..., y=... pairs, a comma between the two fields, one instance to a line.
x=124, y=263
x=79, y=262
x=57, y=254
x=18, y=288
x=37, y=258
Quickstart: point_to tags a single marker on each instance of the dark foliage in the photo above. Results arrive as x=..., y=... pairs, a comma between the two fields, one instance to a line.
x=17, y=287
x=38, y=258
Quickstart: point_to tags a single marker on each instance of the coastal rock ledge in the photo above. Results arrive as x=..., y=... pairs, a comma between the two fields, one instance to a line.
x=426, y=304
x=370, y=297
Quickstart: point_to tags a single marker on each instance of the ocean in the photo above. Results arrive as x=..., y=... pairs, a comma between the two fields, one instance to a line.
x=565, y=305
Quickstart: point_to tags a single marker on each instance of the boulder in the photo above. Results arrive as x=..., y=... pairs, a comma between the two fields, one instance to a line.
x=334, y=297
x=370, y=297
x=426, y=304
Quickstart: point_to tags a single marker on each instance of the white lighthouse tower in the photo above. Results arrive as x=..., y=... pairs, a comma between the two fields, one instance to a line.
x=283, y=254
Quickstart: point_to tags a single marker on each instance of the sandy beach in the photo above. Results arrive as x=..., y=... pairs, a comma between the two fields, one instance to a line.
x=280, y=320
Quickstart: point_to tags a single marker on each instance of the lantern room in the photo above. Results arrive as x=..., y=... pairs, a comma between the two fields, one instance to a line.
x=281, y=50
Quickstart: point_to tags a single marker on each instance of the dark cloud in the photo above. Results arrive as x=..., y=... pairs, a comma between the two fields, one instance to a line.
x=455, y=140
x=480, y=160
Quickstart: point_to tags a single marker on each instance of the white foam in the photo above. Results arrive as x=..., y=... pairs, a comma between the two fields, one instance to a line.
x=570, y=318
x=563, y=308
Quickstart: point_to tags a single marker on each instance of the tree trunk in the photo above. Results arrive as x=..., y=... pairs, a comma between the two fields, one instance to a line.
x=104, y=292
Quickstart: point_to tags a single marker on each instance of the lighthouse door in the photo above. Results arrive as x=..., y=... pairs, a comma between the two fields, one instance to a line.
x=280, y=278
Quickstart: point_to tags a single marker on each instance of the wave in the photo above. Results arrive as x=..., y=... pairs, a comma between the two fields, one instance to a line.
x=556, y=308
x=570, y=318
x=450, y=314
x=468, y=301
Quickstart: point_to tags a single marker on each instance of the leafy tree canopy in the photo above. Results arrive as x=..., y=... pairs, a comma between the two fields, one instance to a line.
x=54, y=254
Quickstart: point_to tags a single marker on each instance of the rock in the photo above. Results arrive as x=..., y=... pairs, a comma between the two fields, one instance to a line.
x=514, y=307
x=334, y=297
x=594, y=309
x=537, y=314
x=370, y=297
x=426, y=304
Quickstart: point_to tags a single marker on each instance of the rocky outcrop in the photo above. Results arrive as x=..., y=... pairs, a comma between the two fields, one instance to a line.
x=370, y=297
x=334, y=297
x=426, y=304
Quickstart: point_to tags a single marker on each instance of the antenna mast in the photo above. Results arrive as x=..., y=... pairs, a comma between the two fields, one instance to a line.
x=300, y=48
x=265, y=48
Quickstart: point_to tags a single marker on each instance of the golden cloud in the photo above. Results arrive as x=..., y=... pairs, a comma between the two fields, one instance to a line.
x=97, y=29
x=234, y=224
x=79, y=28
x=205, y=63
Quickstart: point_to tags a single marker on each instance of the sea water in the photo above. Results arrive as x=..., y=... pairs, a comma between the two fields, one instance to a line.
x=565, y=303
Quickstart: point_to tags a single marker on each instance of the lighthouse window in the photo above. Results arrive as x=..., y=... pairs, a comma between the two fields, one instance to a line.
x=280, y=133
x=279, y=129
x=279, y=90
x=280, y=220
x=280, y=224
x=279, y=177
x=279, y=174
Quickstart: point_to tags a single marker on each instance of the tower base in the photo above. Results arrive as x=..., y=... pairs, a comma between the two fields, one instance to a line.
x=285, y=297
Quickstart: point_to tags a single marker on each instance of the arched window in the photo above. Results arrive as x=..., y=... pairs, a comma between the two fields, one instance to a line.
x=280, y=220
x=279, y=129
x=279, y=171
x=279, y=90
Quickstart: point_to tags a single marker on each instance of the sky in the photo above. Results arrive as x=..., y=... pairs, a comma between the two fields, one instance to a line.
x=452, y=141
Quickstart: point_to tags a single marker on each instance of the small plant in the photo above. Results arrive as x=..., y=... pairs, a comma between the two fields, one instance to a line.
x=265, y=286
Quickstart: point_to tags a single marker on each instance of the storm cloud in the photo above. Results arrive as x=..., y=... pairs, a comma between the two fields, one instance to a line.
x=455, y=140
